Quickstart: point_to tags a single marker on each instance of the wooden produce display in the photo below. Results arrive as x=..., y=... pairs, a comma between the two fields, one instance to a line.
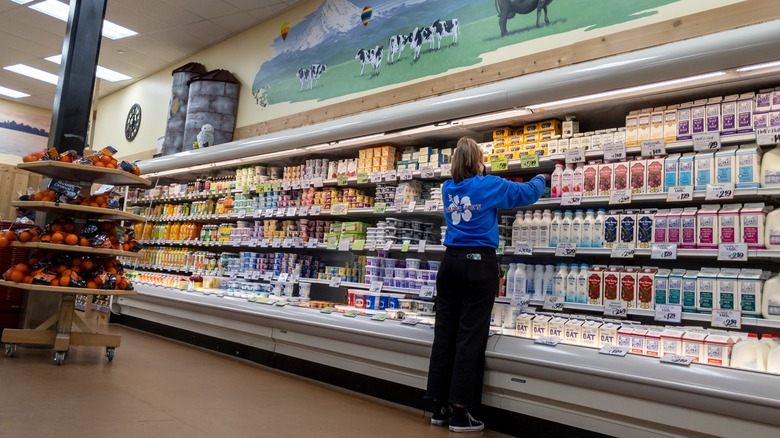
x=67, y=327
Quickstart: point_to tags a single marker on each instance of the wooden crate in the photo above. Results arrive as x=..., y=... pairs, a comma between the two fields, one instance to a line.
x=12, y=182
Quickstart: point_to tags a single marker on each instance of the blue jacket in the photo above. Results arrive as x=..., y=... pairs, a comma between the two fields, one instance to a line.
x=470, y=207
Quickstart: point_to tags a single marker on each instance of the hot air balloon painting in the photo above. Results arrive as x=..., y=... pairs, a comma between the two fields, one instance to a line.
x=285, y=29
x=366, y=15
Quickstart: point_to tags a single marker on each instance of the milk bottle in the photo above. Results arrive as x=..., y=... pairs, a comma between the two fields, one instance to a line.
x=517, y=228
x=582, y=285
x=510, y=280
x=533, y=235
x=559, y=281
x=538, y=282
x=566, y=227
x=587, y=229
x=525, y=228
x=748, y=354
x=544, y=229
x=519, y=280
x=556, y=183
x=571, y=284
x=770, y=308
x=598, y=229
x=555, y=229
x=577, y=228
x=548, y=281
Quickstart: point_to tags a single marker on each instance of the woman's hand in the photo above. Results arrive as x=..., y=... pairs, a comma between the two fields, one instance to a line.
x=546, y=177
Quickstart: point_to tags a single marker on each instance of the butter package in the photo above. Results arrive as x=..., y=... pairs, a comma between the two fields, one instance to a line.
x=643, y=125
x=619, y=136
x=662, y=286
x=745, y=113
x=708, y=282
x=704, y=163
x=693, y=345
x=525, y=325
x=550, y=125
x=675, y=286
x=645, y=296
x=670, y=123
x=728, y=115
x=528, y=129
x=590, y=334
x=712, y=110
x=685, y=169
x=657, y=123
x=684, y=121
x=573, y=332
x=671, y=341
x=726, y=289
x=608, y=335
x=563, y=145
x=586, y=142
x=690, y=289
x=541, y=323
x=575, y=142
x=632, y=129
x=570, y=127
x=748, y=166
x=671, y=171
x=726, y=165
x=699, y=117
x=502, y=132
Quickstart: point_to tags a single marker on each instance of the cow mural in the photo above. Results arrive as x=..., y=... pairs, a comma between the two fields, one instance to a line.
x=261, y=95
x=310, y=75
x=396, y=45
x=447, y=28
x=420, y=36
x=507, y=9
x=304, y=75
x=372, y=57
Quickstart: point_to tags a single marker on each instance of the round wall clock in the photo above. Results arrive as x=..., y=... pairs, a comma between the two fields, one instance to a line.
x=133, y=122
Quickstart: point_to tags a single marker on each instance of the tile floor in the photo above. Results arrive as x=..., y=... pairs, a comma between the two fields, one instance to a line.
x=160, y=388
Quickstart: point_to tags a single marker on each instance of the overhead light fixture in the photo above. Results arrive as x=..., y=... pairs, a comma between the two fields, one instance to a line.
x=61, y=11
x=319, y=147
x=33, y=73
x=597, y=96
x=101, y=72
x=424, y=129
x=759, y=66
x=492, y=117
x=22, y=2
x=12, y=93
x=358, y=140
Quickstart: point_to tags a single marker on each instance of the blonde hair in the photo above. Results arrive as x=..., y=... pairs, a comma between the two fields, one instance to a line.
x=466, y=159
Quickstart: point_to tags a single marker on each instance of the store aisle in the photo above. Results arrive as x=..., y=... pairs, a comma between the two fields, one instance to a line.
x=160, y=388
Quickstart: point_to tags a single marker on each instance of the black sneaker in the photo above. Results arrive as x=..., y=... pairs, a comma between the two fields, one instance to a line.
x=441, y=414
x=462, y=421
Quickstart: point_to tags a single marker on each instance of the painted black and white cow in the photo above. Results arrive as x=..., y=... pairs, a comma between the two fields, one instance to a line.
x=304, y=75
x=442, y=29
x=372, y=57
x=396, y=46
x=261, y=95
x=420, y=36
x=315, y=71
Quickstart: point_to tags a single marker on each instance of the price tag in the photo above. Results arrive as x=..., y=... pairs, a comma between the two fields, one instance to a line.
x=623, y=251
x=421, y=246
x=616, y=308
x=551, y=341
x=259, y=213
x=255, y=275
x=706, y=141
x=622, y=196
x=411, y=321
x=379, y=317
x=358, y=245
x=652, y=148
x=410, y=208
x=332, y=244
x=446, y=169
x=344, y=245
x=287, y=243
x=614, y=350
x=303, y=211
x=281, y=303
x=342, y=180
x=315, y=210
x=351, y=313
x=291, y=211
x=312, y=243
x=768, y=136
x=298, y=242
x=576, y=155
x=405, y=175
x=279, y=212
x=520, y=300
x=553, y=302
x=731, y=319
x=501, y=247
x=327, y=310
x=529, y=161
x=389, y=176
x=242, y=214
x=427, y=291
x=268, y=276
x=614, y=151
x=362, y=178
x=264, y=243
x=296, y=185
x=371, y=245
x=431, y=206
x=388, y=245
x=380, y=208
x=405, y=245
x=253, y=243
x=717, y=192
x=335, y=281
x=339, y=209
x=571, y=198
x=524, y=248
x=664, y=251
x=668, y=313
x=286, y=185
x=317, y=182
x=237, y=243
x=498, y=164
x=276, y=243
x=376, y=287
x=733, y=251
x=566, y=250
x=426, y=172
x=283, y=277
x=375, y=177
x=680, y=193
x=677, y=360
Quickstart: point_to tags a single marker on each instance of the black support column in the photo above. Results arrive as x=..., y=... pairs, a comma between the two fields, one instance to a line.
x=80, y=50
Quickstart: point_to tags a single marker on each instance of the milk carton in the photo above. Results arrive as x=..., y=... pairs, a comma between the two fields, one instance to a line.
x=611, y=228
x=712, y=110
x=760, y=120
x=699, y=117
x=674, y=226
x=628, y=286
x=726, y=166
x=612, y=283
x=525, y=325
x=684, y=121
x=660, y=226
x=628, y=227
x=653, y=341
x=745, y=113
x=643, y=125
x=605, y=182
x=675, y=294
x=657, y=123
x=752, y=220
x=638, y=340
x=570, y=127
x=541, y=323
x=590, y=179
x=685, y=170
x=693, y=345
x=575, y=142
x=624, y=336
x=644, y=228
x=707, y=232
x=728, y=115
x=590, y=334
x=618, y=136
x=555, y=327
x=776, y=99
x=621, y=176
x=671, y=171
x=690, y=291
x=573, y=332
x=729, y=224
x=763, y=101
x=638, y=176
x=750, y=284
x=727, y=289
x=608, y=334
x=654, y=175
x=662, y=286
x=670, y=123
x=707, y=287
x=596, y=285
x=704, y=163
x=748, y=166
x=688, y=228
x=645, y=296
x=671, y=341
x=717, y=348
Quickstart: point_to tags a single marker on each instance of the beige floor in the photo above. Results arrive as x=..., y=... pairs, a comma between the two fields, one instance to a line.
x=160, y=388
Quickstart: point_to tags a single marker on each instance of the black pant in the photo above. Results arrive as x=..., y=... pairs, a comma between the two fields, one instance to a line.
x=466, y=290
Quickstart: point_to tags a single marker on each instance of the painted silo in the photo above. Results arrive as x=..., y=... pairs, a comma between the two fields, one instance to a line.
x=177, y=109
x=213, y=100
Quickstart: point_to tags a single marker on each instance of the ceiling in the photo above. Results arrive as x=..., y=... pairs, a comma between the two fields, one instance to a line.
x=168, y=30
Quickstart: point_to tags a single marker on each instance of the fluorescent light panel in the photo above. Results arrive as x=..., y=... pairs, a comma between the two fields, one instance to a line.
x=101, y=72
x=759, y=66
x=60, y=11
x=12, y=93
x=34, y=73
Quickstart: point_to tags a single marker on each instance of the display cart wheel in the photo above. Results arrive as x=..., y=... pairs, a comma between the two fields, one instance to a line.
x=59, y=356
x=10, y=350
x=110, y=353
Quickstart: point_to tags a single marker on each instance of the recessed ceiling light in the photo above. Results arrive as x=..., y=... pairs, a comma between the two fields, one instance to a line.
x=33, y=73
x=12, y=93
x=61, y=11
x=101, y=72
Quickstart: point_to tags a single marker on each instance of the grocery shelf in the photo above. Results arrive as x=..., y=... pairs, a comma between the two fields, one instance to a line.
x=647, y=252
x=84, y=173
x=75, y=248
x=65, y=290
x=77, y=210
x=361, y=286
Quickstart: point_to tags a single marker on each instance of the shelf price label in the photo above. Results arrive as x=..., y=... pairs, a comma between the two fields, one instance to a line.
x=664, y=251
x=431, y=205
x=411, y=321
x=622, y=196
x=253, y=243
x=553, y=302
x=706, y=141
x=315, y=210
x=342, y=180
x=410, y=208
x=550, y=341
x=296, y=185
x=498, y=164
x=405, y=245
x=268, y=276
x=501, y=247
x=303, y=211
x=335, y=281
x=717, y=192
x=529, y=161
x=680, y=193
x=286, y=185
x=379, y=317
x=421, y=245
x=351, y=313
x=376, y=287
x=426, y=172
x=616, y=308
x=390, y=176
x=446, y=169
x=652, y=148
x=614, y=151
x=317, y=182
x=677, y=360
x=571, y=199
x=312, y=243
x=388, y=245
x=614, y=350
x=339, y=209
x=427, y=291
x=291, y=211
x=375, y=177
x=623, y=251
x=768, y=136
x=566, y=250
x=264, y=243
x=283, y=277
x=358, y=245
x=327, y=310
x=280, y=212
x=380, y=208
x=276, y=243
x=524, y=248
x=371, y=245
x=362, y=178
x=332, y=244
x=733, y=252
x=576, y=155
x=725, y=318
x=405, y=175
x=668, y=313
x=287, y=243
x=344, y=245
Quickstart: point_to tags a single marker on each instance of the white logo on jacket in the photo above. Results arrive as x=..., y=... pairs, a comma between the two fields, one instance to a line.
x=460, y=208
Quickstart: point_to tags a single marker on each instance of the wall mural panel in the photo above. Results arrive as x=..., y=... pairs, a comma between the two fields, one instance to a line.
x=22, y=133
